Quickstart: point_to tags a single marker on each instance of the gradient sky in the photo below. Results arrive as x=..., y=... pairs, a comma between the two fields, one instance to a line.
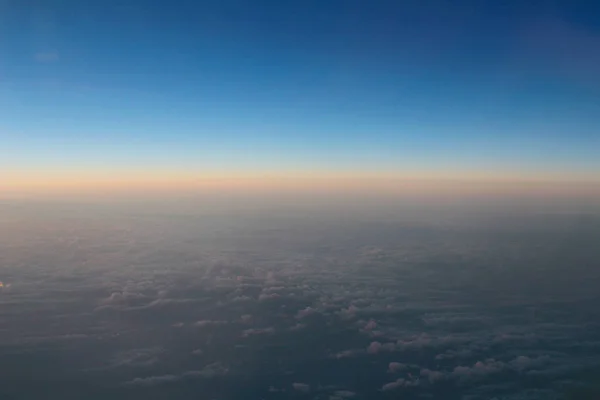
x=417, y=88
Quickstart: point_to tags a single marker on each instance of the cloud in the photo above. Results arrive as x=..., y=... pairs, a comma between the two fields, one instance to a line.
x=206, y=323
x=305, y=312
x=144, y=357
x=268, y=296
x=240, y=299
x=478, y=370
x=523, y=363
x=349, y=312
x=117, y=298
x=257, y=331
x=301, y=387
x=394, y=367
x=210, y=371
x=433, y=376
x=370, y=325
x=376, y=347
x=349, y=353
x=153, y=380
x=297, y=327
x=246, y=318
x=399, y=383
x=344, y=394
x=197, y=352
x=46, y=57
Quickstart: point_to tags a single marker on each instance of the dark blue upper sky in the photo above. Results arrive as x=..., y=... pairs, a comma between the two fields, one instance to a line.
x=307, y=84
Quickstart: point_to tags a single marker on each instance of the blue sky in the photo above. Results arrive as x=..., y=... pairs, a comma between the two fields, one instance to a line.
x=317, y=85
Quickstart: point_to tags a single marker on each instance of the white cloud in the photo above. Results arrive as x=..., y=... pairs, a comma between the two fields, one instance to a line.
x=433, y=376
x=301, y=387
x=153, y=380
x=205, y=323
x=370, y=325
x=394, y=367
x=208, y=372
x=246, y=318
x=523, y=363
x=349, y=353
x=144, y=357
x=344, y=394
x=478, y=370
x=268, y=296
x=305, y=312
x=376, y=347
x=399, y=383
x=257, y=331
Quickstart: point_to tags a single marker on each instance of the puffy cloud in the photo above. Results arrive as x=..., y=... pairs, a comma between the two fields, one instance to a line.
x=348, y=313
x=301, y=387
x=432, y=376
x=370, y=325
x=117, y=298
x=523, y=363
x=305, y=312
x=297, y=327
x=376, y=347
x=268, y=296
x=478, y=370
x=394, y=367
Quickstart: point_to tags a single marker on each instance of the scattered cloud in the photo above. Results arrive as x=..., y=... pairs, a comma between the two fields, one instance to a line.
x=207, y=323
x=370, y=325
x=377, y=347
x=137, y=357
x=153, y=380
x=301, y=387
x=349, y=353
x=268, y=296
x=399, y=383
x=395, y=367
x=344, y=394
x=305, y=312
x=208, y=372
x=257, y=331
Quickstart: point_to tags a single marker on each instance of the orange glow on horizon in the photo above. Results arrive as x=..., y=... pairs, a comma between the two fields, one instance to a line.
x=394, y=183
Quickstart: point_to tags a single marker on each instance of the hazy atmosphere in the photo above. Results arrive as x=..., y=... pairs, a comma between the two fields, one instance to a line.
x=319, y=200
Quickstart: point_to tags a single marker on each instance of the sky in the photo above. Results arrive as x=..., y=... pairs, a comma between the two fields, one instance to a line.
x=168, y=94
